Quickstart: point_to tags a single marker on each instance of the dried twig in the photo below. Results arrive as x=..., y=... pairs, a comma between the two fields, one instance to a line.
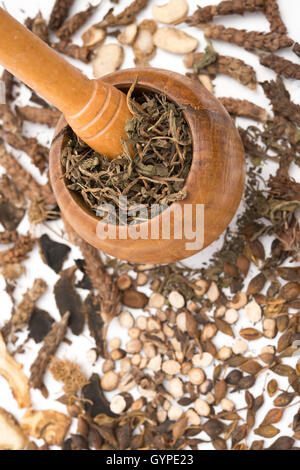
x=244, y=108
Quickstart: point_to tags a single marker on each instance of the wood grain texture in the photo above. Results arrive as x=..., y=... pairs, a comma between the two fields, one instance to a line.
x=216, y=178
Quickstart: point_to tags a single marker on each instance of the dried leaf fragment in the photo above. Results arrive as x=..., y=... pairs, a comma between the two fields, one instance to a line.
x=12, y=437
x=12, y=372
x=172, y=12
x=175, y=41
x=108, y=59
x=49, y=425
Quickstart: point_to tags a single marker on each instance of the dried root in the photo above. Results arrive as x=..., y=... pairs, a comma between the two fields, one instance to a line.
x=49, y=425
x=12, y=437
x=244, y=108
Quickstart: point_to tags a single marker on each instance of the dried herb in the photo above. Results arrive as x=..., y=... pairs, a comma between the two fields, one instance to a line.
x=53, y=253
x=51, y=342
x=66, y=47
x=237, y=7
x=244, y=108
x=38, y=25
x=39, y=324
x=281, y=66
x=155, y=175
x=59, y=13
x=272, y=13
x=250, y=40
x=127, y=16
x=75, y=22
x=68, y=300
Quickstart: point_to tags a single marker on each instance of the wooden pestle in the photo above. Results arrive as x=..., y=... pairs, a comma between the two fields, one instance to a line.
x=96, y=111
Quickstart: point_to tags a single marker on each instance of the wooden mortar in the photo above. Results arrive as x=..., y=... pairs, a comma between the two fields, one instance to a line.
x=216, y=178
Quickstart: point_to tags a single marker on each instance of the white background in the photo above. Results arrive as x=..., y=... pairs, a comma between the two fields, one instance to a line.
x=224, y=86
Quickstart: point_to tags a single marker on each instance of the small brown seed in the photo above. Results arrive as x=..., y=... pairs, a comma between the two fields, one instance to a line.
x=124, y=281
x=196, y=376
x=109, y=381
x=200, y=287
x=117, y=354
x=138, y=404
x=108, y=365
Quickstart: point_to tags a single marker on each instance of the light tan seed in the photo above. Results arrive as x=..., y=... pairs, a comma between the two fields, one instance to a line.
x=213, y=292
x=161, y=416
x=115, y=343
x=153, y=324
x=128, y=35
x=141, y=279
x=147, y=393
x=201, y=407
x=231, y=316
x=220, y=312
x=125, y=365
x=196, y=376
x=155, y=363
x=202, y=360
x=143, y=363
x=138, y=404
x=226, y=404
x=200, y=287
x=181, y=321
x=176, y=388
x=176, y=299
x=269, y=327
x=172, y=12
x=134, y=332
x=117, y=354
x=126, y=320
x=208, y=331
x=136, y=360
x=141, y=322
x=185, y=367
x=149, y=350
x=92, y=356
x=109, y=381
x=210, y=398
x=118, y=404
x=171, y=367
x=238, y=301
x=239, y=347
x=169, y=332
x=174, y=413
x=133, y=346
x=224, y=353
x=268, y=350
x=156, y=300
x=193, y=418
x=124, y=281
x=108, y=365
x=253, y=311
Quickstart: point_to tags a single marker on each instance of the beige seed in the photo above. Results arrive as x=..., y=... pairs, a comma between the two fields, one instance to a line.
x=161, y=416
x=147, y=393
x=239, y=347
x=172, y=12
x=179, y=356
x=156, y=300
x=153, y=324
x=227, y=405
x=155, y=363
x=115, y=343
x=134, y=332
x=192, y=306
x=149, y=350
x=202, y=360
x=118, y=404
x=108, y=365
x=268, y=350
x=201, y=287
x=206, y=82
x=176, y=388
x=107, y=59
x=126, y=320
x=220, y=312
x=213, y=292
x=117, y=354
x=127, y=383
x=169, y=332
x=253, y=311
x=125, y=365
x=174, y=413
x=201, y=407
x=231, y=316
x=193, y=418
x=93, y=37
x=269, y=328
x=171, y=367
x=141, y=279
x=109, y=381
x=185, y=367
x=208, y=331
x=161, y=315
x=176, y=299
x=133, y=346
x=174, y=40
x=238, y=301
x=181, y=321
x=196, y=376
x=224, y=353
x=136, y=360
x=166, y=405
x=143, y=363
x=210, y=398
x=141, y=322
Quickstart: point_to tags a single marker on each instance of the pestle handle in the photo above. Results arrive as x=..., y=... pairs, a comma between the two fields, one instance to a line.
x=96, y=111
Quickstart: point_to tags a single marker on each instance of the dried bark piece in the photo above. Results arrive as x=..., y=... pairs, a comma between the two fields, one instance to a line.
x=237, y=7
x=68, y=300
x=49, y=425
x=102, y=281
x=281, y=66
x=235, y=68
x=82, y=53
x=250, y=40
x=12, y=437
x=23, y=311
x=24, y=180
x=96, y=402
x=244, y=108
x=53, y=253
x=12, y=372
x=143, y=47
x=128, y=35
x=51, y=343
x=38, y=26
x=108, y=59
x=281, y=100
x=75, y=22
x=272, y=13
x=18, y=252
x=47, y=116
x=39, y=324
x=38, y=153
x=127, y=16
x=59, y=13
x=172, y=12
x=95, y=323
x=175, y=41
x=70, y=374
x=93, y=37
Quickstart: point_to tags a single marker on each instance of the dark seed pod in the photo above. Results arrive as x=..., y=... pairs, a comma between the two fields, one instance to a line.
x=234, y=377
x=94, y=439
x=79, y=442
